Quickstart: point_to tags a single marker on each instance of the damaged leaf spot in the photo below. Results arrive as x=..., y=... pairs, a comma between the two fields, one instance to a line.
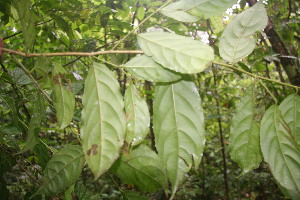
x=92, y=150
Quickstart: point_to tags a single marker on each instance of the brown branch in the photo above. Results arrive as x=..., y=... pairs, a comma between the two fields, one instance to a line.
x=29, y=55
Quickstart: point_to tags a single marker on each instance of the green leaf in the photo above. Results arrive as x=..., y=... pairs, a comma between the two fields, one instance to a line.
x=104, y=123
x=238, y=40
x=19, y=77
x=280, y=150
x=132, y=195
x=26, y=17
x=178, y=124
x=137, y=116
x=176, y=52
x=192, y=10
x=62, y=170
x=142, y=168
x=290, y=109
x=244, y=135
x=145, y=68
x=64, y=99
x=39, y=111
x=140, y=13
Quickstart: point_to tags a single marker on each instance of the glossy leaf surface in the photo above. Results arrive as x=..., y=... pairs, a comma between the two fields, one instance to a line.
x=143, y=168
x=137, y=116
x=103, y=117
x=179, y=128
x=279, y=149
x=176, y=52
x=238, y=40
x=192, y=10
x=290, y=109
x=63, y=97
x=62, y=170
x=145, y=68
x=244, y=135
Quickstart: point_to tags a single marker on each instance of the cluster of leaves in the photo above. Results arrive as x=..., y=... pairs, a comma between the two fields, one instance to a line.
x=114, y=128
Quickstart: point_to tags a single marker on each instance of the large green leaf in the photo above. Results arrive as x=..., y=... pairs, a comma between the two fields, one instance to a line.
x=145, y=68
x=26, y=17
x=244, y=135
x=192, y=10
x=103, y=116
x=142, y=168
x=39, y=111
x=280, y=150
x=64, y=99
x=178, y=124
x=137, y=116
x=62, y=170
x=238, y=40
x=290, y=109
x=176, y=52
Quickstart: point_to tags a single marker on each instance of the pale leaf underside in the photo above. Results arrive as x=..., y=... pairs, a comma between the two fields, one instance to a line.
x=237, y=40
x=103, y=116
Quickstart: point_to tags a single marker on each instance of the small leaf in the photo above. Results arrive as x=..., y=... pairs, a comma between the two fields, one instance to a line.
x=103, y=117
x=178, y=124
x=145, y=68
x=20, y=78
x=279, y=149
x=244, y=135
x=140, y=13
x=237, y=40
x=26, y=17
x=62, y=170
x=290, y=109
x=137, y=115
x=176, y=52
x=192, y=10
x=64, y=99
x=142, y=168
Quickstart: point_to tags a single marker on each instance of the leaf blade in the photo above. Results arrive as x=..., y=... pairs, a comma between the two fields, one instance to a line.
x=178, y=128
x=103, y=116
x=237, y=40
x=175, y=52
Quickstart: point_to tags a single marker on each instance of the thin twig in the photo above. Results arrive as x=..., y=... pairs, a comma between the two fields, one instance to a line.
x=267, y=89
x=29, y=55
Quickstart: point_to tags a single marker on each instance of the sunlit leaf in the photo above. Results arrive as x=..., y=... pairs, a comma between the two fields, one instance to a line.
x=290, y=109
x=62, y=170
x=103, y=117
x=145, y=68
x=176, y=52
x=63, y=98
x=178, y=124
x=137, y=116
x=280, y=150
x=142, y=168
x=244, y=135
x=238, y=40
x=192, y=10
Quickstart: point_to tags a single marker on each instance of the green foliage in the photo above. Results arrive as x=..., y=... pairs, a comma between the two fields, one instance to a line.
x=145, y=68
x=104, y=124
x=62, y=170
x=175, y=52
x=192, y=10
x=64, y=100
x=143, y=168
x=280, y=149
x=238, y=40
x=244, y=135
x=137, y=116
x=179, y=128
